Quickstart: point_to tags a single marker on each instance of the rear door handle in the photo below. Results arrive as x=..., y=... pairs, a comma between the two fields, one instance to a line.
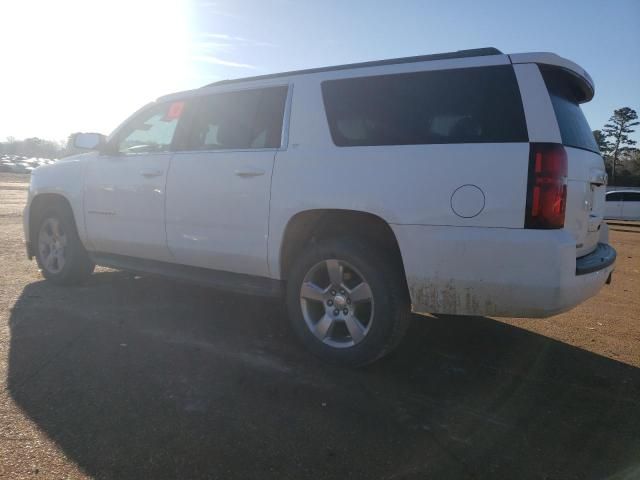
x=249, y=172
x=151, y=173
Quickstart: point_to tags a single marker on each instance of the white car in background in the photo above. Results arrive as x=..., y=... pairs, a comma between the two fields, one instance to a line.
x=622, y=205
x=459, y=183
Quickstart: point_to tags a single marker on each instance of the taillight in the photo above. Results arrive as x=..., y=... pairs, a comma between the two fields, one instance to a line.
x=547, y=186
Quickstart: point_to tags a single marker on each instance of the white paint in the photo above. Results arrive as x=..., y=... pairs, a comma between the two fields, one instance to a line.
x=585, y=202
x=541, y=119
x=547, y=58
x=467, y=201
x=465, y=250
x=613, y=208
x=631, y=210
x=494, y=271
x=124, y=207
x=217, y=218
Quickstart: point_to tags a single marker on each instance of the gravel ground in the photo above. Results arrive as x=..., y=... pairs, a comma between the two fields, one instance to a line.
x=128, y=377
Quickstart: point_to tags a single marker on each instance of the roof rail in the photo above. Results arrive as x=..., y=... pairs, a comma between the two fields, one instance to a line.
x=475, y=52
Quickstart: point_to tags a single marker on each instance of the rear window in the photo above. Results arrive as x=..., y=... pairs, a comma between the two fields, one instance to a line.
x=574, y=128
x=467, y=105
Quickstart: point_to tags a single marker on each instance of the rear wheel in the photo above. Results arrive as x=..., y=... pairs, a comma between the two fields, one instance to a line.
x=347, y=302
x=59, y=252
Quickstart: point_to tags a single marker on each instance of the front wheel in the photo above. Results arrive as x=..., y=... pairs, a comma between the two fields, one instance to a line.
x=347, y=302
x=59, y=252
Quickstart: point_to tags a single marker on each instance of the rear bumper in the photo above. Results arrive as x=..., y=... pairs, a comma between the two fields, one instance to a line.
x=499, y=272
x=602, y=257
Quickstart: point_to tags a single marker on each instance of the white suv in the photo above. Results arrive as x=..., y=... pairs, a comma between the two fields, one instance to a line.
x=459, y=183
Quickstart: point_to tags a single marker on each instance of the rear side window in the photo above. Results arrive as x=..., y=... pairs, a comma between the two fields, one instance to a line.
x=631, y=196
x=574, y=128
x=247, y=119
x=467, y=105
x=614, y=197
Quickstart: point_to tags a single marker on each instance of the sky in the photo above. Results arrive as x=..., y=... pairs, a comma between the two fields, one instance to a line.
x=86, y=65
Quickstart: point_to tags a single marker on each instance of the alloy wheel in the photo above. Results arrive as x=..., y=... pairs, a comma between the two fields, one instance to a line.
x=337, y=303
x=52, y=245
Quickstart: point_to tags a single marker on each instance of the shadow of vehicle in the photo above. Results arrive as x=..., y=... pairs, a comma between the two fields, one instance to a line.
x=148, y=378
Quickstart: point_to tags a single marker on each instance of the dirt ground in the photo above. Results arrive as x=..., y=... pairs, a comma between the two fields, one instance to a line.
x=128, y=377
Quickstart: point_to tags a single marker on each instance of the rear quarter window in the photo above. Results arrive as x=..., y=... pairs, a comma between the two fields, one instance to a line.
x=466, y=105
x=574, y=128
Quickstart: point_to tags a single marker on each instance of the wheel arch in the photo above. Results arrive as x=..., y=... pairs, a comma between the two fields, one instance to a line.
x=39, y=205
x=309, y=226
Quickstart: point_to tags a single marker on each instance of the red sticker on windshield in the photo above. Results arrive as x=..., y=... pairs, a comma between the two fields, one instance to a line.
x=175, y=111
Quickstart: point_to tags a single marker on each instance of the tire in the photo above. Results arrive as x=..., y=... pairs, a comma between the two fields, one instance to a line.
x=323, y=321
x=56, y=234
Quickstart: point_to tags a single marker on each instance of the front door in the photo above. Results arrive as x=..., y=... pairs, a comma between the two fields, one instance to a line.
x=613, y=205
x=125, y=190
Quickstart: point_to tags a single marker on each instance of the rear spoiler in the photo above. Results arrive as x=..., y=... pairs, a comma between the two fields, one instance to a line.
x=583, y=80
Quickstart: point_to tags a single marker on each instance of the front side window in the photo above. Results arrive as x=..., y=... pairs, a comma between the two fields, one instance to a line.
x=247, y=119
x=152, y=130
x=614, y=196
x=466, y=105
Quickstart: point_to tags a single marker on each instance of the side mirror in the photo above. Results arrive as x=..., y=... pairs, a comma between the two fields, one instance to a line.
x=89, y=141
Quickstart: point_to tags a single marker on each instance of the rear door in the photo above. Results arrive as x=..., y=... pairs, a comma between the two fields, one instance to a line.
x=218, y=189
x=586, y=180
x=631, y=205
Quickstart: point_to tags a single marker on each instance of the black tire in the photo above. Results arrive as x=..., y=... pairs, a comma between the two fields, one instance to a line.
x=391, y=315
x=77, y=264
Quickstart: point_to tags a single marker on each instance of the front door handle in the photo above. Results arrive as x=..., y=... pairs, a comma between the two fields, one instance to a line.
x=151, y=173
x=249, y=172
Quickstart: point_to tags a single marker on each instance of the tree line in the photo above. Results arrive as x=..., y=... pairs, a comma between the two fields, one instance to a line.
x=33, y=147
x=39, y=148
